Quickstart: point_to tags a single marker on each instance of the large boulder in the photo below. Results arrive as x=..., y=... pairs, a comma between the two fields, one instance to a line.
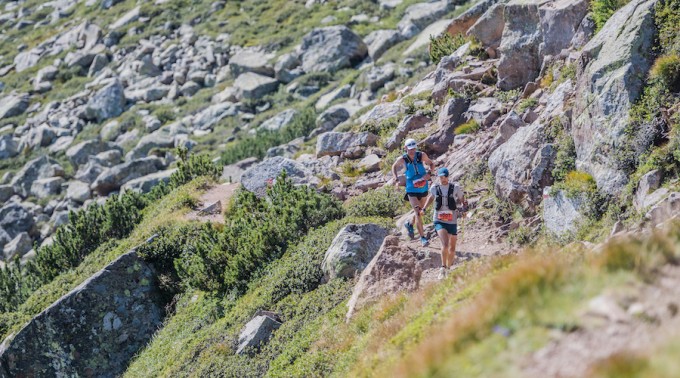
x=331, y=49
x=612, y=73
x=252, y=86
x=489, y=27
x=408, y=124
x=8, y=146
x=379, y=41
x=144, y=184
x=40, y=136
x=13, y=105
x=450, y=116
x=335, y=143
x=209, y=116
x=534, y=29
x=113, y=178
x=352, y=250
x=78, y=191
x=16, y=218
x=251, y=61
x=81, y=152
x=40, y=168
x=46, y=187
x=522, y=166
x=462, y=23
x=650, y=182
x=331, y=118
x=562, y=214
x=256, y=333
x=377, y=76
x=19, y=246
x=418, y=16
x=279, y=121
x=392, y=270
x=257, y=178
x=108, y=102
x=667, y=209
x=94, y=330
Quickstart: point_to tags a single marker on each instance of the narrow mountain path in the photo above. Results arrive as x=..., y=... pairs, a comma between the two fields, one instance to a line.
x=213, y=203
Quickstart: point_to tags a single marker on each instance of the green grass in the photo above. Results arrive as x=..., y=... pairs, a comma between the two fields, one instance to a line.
x=469, y=127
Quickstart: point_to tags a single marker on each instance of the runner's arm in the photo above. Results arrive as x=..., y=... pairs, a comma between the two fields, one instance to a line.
x=398, y=164
x=429, y=162
x=428, y=201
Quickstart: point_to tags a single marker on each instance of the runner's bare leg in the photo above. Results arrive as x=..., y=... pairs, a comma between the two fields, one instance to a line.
x=452, y=250
x=444, y=237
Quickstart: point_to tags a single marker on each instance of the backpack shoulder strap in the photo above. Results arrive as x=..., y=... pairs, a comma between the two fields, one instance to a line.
x=419, y=157
x=438, y=189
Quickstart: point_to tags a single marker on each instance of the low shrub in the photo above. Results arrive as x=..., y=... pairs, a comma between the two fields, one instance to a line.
x=666, y=70
x=526, y=104
x=603, y=9
x=469, y=127
x=444, y=45
x=565, y=159
x=384, y=202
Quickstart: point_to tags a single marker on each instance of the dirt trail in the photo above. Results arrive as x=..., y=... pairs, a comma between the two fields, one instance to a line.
x=209, y=210
x=635, y=318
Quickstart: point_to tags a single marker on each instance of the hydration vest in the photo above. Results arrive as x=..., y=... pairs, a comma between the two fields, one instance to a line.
x=416, y=162
x=450, y=197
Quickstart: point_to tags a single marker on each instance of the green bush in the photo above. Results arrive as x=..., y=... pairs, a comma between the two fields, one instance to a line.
x=384, y=202
x=666, y=70
x=382, y=128
x=526, y=104
x=191, y=167
x=257, y=145
x=257, y=231
x=565, y=160
x=603, y=9
x=469, y=127
x=444, y=45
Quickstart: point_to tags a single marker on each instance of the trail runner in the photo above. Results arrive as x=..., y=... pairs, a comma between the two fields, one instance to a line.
x=449, y=204
x=417, y=184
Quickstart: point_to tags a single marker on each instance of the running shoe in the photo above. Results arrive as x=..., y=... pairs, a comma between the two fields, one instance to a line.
x=442, y=273
x=424, y=241
x=411, y=231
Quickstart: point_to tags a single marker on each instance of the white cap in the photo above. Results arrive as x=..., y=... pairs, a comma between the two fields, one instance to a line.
x=410, y=144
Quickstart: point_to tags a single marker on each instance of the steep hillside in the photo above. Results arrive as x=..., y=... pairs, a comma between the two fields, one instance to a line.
x=195, y=188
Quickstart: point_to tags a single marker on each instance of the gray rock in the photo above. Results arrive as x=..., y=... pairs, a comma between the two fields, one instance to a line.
x=106, y=103
x=614, y=65
x=508, y=127
x=335, y=143
x=585, y=32
x=144, y=184
x=46, y=187
x=256, y=178
x=665, y=210
x=131, y=16
x=330, y=49
x=532, y=31
x=251, y=61
x=6, y=192
x=232, y=173
x=113, y=178
x=279, y=121
x=25, y=60
x=190, y=88
x=336, y=94
x=111, y=130
x=649, y=182
x=522, y=166
x=463, y=22
x=489, y=27
x=370, y=163
x=39, y=168
x=18, y=247
x=254, y=86
x=408, y=124
x=562, y=215
x=16, y=218
x=48, y=73
x=352, y=249
x=382, y=111
x=418, y=16
x=331, y=118
x=117, y=310
x=8, y=146
x=450, y=116
x=485, y=111
x=379, y=41
x=161, y=138
x=40, y=136
x=211, y=115
x=90, y=171
x=13, y=105
x=256, y=333
x=98, y=63
x=81, y=59
x=287, y=68
x=78, y=191
x=81, y=152
x=376, y=77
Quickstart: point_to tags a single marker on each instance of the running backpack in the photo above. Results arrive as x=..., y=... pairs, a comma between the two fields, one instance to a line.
x=418, y=159
x=451, y=199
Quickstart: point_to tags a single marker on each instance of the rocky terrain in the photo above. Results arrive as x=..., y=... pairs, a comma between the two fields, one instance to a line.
x=559, y=118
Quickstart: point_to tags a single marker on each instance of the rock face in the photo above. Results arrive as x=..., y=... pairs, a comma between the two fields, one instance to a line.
x=256, y=333
x=522, y=166
x=107, y=103
x=257, y=178
x=408, y=124
x=113, y=178
x=93, y=330
x=392, y=270
x=331, y=49
x=533, y=30
x=13, y=105
x=352, y=249
x=613, y=67
x=335, y=143
x=561, y=213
